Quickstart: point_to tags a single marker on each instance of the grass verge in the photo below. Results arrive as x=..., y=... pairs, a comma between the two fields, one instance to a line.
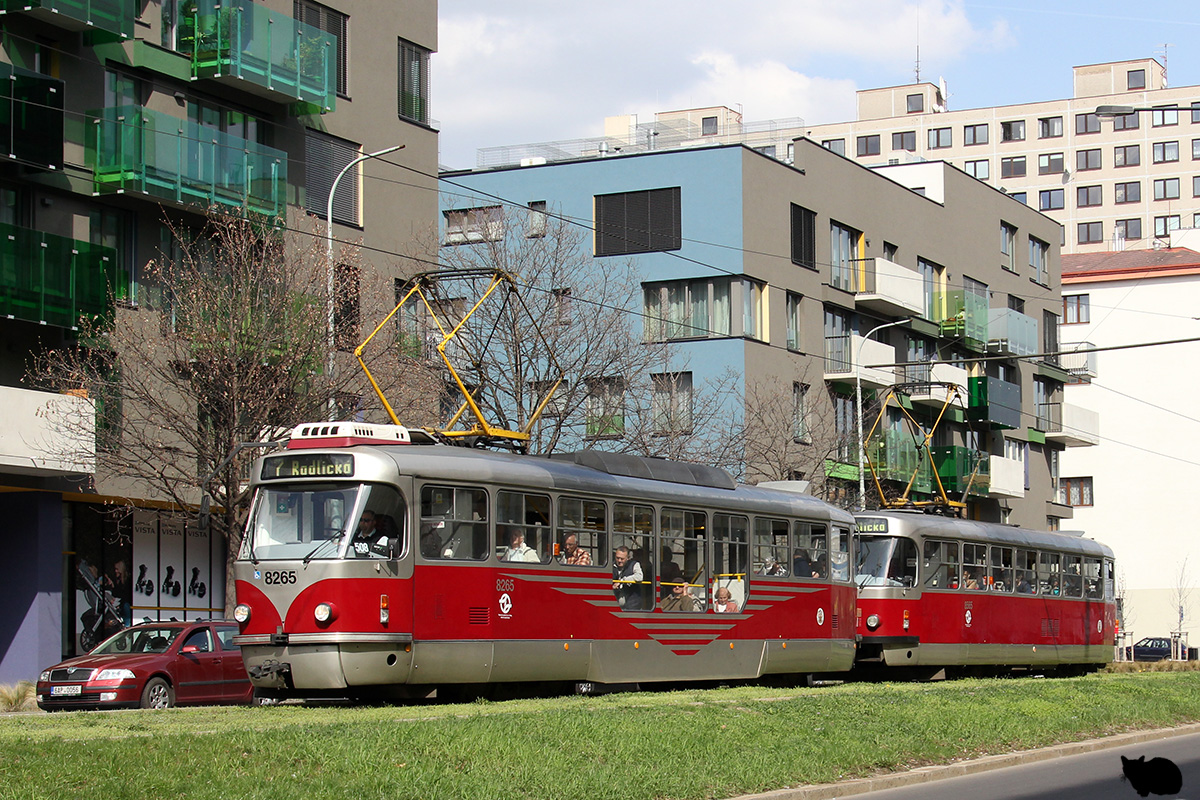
x=689, y=744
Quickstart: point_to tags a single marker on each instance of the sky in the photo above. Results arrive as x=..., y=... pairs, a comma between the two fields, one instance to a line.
x=528, y=71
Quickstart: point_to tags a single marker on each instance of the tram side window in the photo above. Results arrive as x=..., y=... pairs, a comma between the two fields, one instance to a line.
x=1026, y=572
x=1072, y=576
x=682, y=578
x=940, y=566
x=1092, y=586
x=729, y=563
x=1049, y=573
x=1110, y=584
x=454, y=523
x=523, y=527
x=974, y=567
x=771, y=547
x=381, y=527
x=839, y=555
x=1002, y=569
x=817, y=551
x=633, y=569
x=583, y=523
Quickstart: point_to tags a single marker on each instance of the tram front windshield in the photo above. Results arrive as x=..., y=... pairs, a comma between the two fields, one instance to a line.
x=886, y=561
x=324, y=521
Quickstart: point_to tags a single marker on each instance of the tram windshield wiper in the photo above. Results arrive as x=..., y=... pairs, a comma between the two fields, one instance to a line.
x=313, y=553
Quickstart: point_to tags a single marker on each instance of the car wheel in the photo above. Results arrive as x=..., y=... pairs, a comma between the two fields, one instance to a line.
x=158, y=694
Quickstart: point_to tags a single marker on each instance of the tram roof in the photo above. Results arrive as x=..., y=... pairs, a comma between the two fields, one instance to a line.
x=934, y=526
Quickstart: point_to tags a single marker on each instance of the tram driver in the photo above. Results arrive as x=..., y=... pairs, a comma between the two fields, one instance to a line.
x=370, y=538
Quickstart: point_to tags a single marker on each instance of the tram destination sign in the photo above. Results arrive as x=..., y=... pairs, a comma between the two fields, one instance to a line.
x=308, y=465
x=871, y=524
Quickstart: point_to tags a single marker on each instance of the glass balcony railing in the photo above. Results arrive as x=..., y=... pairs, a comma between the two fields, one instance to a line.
x=241, y=39
x=995, y=402
x=111, y=16
x=31, y=117
x=1012, y=332
x=895, y=457
x=133, y=149
x=960, y=467
x=54, y=280
x=963, y=315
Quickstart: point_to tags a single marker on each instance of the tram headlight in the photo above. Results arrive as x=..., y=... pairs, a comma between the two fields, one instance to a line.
x=325, y=612
x=873, y=621
x=241, y=613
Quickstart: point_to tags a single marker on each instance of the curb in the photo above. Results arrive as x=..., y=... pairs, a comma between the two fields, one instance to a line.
x=829, y=791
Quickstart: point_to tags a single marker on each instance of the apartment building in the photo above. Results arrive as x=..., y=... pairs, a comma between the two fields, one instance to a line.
x=1118, y=490
x=823, y=276
x=117, y=114
x=1115, y=182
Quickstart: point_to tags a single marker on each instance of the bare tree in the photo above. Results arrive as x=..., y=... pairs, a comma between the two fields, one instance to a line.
x=1181, y=596
x=234, y=350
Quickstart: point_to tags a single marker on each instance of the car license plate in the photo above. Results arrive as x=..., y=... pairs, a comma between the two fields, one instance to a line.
x=62, y=691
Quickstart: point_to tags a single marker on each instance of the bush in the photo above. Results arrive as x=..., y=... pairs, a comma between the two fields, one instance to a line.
x=1152, y=666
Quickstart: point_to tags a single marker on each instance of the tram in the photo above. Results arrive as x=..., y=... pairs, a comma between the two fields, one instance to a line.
x=377, y=562
x=938, y=593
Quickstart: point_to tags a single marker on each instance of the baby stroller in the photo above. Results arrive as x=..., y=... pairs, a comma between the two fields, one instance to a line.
x=104, y=614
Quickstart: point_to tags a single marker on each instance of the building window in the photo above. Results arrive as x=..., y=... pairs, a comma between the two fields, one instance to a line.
x=1039, y=259
x=1129, y=155
x=1076, y=491
x=1086, y=196
x=845, y=430
x=1196, y=220
x=1008, y=246
x=845, y=256
x=940, y=138
x=794, y=303
x=605, y=408
x=1163, y=152
x=1050, y=163
x=1130, y=192
x=835, y=145
x=1196, y=186
x=1020, y=197
x=332, y=22
x=1135, y=79
x=1050, y=127
x=906, y=140
x=1127, y=122
x=110, y=227
x=535, y=222
x=1087, y=123
x=470, y=225
x=804, y=238
x=1012, y=131
x=1128, y=229
x=562, y=305
x=1166, y=189
x=753, y=293
x=868, y=145
x=975, y=134
x=1196, y=149
x=889, y=251
x=1087, y=159
x=1050, y=199
x=933, y=279
x=346, y=287
x=915, y=103
x=326, y=156
x=412, y=94
x=687, y=310
x=1164, y=116
x=671, y=405
x=708, y=126
x=1195, y=112
x=1075, y=309
x=800, y=431
x=1164, y=225
x=978, y=169
x=1013, y=167
x=1090, y=232
x=638, y=222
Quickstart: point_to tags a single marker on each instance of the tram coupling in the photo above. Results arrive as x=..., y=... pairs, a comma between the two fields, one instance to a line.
x=281, y=671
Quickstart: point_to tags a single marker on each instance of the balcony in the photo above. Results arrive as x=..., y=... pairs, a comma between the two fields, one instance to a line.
x=31, y=117
x=1007, y=477
x=46, y=434
x=995, y=402
x=1081, y=366
x=889, y=289
x=53, y=280
x=133, y=149
x=961, y=467
x=113, y=19
x=963, y=315
x=1011, y=332
x=929, y=384
x=846, y=355
x=895, y=457
x=261, y=51
x=1069, y=424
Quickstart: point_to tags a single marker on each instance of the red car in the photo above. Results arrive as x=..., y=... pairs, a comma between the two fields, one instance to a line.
x=152, y=665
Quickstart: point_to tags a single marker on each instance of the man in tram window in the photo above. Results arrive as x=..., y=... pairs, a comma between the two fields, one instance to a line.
x=574, y=555
x=517, y=549
x=681, y=597
x=369, y=538
x=627, y=580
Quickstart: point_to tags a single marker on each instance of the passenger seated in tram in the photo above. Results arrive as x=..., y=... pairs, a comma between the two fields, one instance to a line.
x=773, y=567
x=723, y=602
x=517, y=550
x=970, y=579
x=681, y=597
x=1023, y=584
x=574, y=555
x=627, y=580
x=821, y=568
x=801, y=566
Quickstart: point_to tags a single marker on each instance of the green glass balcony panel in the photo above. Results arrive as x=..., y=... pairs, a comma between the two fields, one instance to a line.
x=54, y=280
x=955, y=466
x=111, y=16
x=896, y=458
x=606, y=426
x=963, y=315
x=31, y=117
x=994, y=401
x=247, y=41
x=133, y=149
x=1011, y=331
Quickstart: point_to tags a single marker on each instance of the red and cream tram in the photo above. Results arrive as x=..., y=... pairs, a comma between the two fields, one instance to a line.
x=378, y=563
x=938, y=592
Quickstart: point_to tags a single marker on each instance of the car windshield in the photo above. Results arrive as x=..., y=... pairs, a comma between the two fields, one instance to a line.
x=141, y=639
x=886, y=561
x=324, y=521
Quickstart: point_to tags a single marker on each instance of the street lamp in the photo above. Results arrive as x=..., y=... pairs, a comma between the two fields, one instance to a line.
x=862, y=481
x=1116, y=111
x=329, y=262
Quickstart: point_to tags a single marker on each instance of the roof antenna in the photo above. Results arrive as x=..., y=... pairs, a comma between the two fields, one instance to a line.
x=1163, y=52
x=918, y=69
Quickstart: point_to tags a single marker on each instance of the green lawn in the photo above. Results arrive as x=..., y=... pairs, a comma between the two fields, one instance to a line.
x=689, y=744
